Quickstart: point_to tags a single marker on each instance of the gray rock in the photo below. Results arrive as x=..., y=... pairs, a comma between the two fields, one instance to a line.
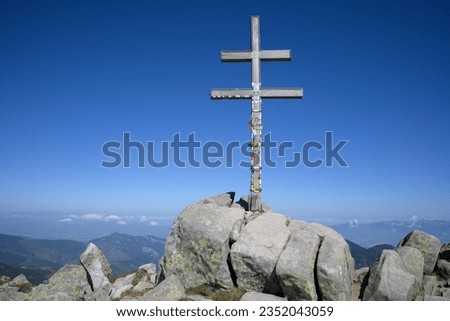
x=413, y=261
x=443, y=269
x=425, y=243
x=324, y=231
x=255, y=254
x=221, y=200
x=444, y=254
x=21, y=283
x=16, y=290
x=121, y=286
x=197, y=247
x=295, y=267
x=257, y=296
x=334, y=275
x=146, y=273
x=97, y=267
x=171, y=289
x=68, y=284
x=430, y=285
x=4, y=279
x=360, y=274
x=435, y=298
x=446, y=293
x=388, y=280
x=143, y=287
x=150, y=270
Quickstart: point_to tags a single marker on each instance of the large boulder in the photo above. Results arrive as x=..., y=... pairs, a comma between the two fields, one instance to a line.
x=389, y=281
x=335, y=267
x=198, y=244
x=296, y=265
x=17, y=289
x=171, y=289
x=428, y=244
x=413, y=261
x=70, y=283
x=97, y=268
x=255, y=254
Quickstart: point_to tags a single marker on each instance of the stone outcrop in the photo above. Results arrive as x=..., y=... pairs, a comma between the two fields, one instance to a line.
x=296, y=265
x=218, y=243
x=171, y=289
x=198, y=245
x=255, y=254
x=388, y=280
x=410, y=272
x=97, y=267
x=428, y=244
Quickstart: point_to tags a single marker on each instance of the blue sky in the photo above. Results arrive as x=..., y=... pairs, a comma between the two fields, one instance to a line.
x=77, y=74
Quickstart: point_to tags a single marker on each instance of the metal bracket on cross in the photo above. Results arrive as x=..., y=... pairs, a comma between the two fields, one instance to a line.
x=256, y=93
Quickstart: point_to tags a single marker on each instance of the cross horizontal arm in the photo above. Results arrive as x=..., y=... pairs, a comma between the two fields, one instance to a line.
x=247, y=55
x=245, y=93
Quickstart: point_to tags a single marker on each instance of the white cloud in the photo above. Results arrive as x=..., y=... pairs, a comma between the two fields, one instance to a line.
x=121, y=220
x=65, y=220
x=354, y=223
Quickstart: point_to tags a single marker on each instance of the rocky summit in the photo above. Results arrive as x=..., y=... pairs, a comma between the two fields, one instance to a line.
x=218, y=243
x=219, y=250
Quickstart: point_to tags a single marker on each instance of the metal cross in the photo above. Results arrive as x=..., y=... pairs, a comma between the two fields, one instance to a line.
x=256, y=93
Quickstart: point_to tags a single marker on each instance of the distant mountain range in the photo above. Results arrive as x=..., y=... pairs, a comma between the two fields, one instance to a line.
x=38, y=259
x=392, y=231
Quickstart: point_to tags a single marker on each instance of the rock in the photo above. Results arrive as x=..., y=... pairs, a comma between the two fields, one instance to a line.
x=360, y=274
x=198, y=246
x=388, y=280
x=413, y=261
x=16, y=290
x=146, y=272
x=443, y=269
x=430, y=285
x=21, y=283
x=334, y=274
x=68, y=284
x=295, y=267
x=121, y=286
x=221, y=200
x=254, y=255
x=444, y=254
x=446, y=293
x=97, y=268
x=4, y=279
x=435, y=298
x=143, y=287
x=171, y=289
x=256, y=296
x=425, y=243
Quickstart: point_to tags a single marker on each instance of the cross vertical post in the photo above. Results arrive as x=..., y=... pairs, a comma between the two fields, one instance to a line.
x=256, y=93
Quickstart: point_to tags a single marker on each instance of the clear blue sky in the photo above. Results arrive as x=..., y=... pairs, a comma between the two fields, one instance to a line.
x=76, y=74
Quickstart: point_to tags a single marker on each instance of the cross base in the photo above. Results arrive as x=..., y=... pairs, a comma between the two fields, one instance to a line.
x=255, y=203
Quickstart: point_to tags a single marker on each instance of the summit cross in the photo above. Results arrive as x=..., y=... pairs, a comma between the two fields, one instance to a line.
x=256, y=93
